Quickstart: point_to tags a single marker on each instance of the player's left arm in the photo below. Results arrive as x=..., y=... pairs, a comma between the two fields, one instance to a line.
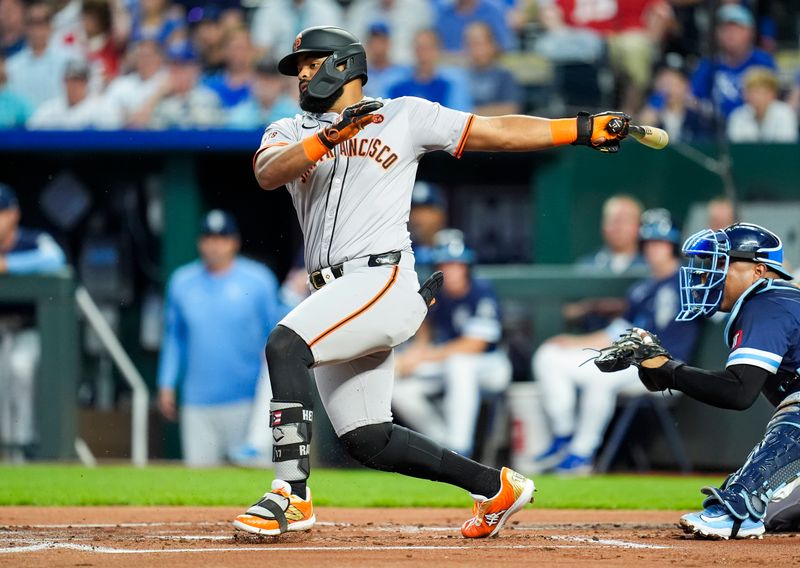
x=519, y=133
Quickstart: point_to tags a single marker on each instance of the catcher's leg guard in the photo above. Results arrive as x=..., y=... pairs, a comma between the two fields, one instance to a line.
x=771, y=471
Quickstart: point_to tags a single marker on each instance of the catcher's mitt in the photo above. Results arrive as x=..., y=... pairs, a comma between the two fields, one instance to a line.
x=632, y=348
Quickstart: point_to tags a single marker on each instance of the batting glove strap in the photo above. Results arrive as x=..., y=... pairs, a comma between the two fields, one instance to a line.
x=584, y=123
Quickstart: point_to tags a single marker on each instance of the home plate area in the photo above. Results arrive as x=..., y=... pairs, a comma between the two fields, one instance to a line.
x=182, y=536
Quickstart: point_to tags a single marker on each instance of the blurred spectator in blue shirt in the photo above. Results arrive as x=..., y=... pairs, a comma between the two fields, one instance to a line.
x=448, y=87
x=159, y=21
x=22, y=251
x=36, y=72
x=181, y=102
x=268, y=100
x=454, y=18
x=494, y=89
x=670, y=107
x=233, y=84
x=14, y=110
x=76, y=109
x=404, y=18
x=276, y=23
x=383, y=72
x=12, y=26
x=220, y=310
x=718, y=84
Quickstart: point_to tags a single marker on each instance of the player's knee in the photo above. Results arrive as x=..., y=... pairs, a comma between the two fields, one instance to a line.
x=364, y=444
x=285, y=345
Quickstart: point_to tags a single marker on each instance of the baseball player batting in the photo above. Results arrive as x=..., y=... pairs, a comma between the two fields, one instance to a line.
x=349, y=163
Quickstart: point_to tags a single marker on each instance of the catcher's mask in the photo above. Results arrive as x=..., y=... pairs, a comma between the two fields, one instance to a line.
x=710, y=253
x=341, y=47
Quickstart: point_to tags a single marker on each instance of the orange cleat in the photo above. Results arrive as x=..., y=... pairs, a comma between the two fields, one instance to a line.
x=278, y=511
x=489, y=515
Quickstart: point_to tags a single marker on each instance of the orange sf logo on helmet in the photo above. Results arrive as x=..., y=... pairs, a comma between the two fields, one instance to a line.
x=297, y=41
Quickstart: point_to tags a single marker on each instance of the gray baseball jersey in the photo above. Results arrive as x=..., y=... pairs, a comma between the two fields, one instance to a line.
x=356, y=200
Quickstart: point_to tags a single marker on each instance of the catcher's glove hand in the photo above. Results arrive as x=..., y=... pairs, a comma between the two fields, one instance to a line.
x=612, y=126
x=353, y=119
x=636, y=347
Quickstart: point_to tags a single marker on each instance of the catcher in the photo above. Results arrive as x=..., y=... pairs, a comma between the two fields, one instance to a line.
x=738, y=270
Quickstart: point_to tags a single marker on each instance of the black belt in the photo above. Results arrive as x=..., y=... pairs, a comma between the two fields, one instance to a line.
x=318, y=280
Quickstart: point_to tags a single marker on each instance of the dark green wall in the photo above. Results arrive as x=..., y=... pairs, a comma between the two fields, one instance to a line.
x=568, y=192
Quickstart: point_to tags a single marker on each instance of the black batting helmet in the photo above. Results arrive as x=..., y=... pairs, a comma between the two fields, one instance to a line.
x=343, y=49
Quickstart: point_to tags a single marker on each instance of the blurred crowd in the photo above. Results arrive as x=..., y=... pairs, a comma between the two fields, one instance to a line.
x=694, y=67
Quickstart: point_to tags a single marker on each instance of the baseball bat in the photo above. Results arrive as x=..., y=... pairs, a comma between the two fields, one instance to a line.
x=650, y=136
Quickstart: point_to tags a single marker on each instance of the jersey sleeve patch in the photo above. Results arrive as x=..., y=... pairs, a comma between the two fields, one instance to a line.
x=756, y=357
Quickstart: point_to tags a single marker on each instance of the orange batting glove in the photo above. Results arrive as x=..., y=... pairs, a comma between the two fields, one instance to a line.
x=602, y=131
x=353, y=119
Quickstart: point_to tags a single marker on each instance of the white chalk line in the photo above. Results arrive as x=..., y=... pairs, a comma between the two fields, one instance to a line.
x=144, y=525
x=280, y=549
x=50, y=545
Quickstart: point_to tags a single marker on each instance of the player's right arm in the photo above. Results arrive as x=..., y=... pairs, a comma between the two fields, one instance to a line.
x=281, y=160
x=279, y=164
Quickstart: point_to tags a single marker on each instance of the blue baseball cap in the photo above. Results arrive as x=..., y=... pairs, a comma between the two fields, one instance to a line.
x=657, y=225
x=8, y=199
x=735, y=14
x=430, y=194
x=378, y=28
x=219, y=222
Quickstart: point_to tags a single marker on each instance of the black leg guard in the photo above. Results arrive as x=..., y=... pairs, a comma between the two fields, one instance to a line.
x=388, y=447
x=291, y=410
x=289, y=360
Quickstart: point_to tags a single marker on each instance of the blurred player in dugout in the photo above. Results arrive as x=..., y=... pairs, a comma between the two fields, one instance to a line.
x=428, y=216
x=22, y=251
x=454, y=354
x=220, y=310
x=577, y=424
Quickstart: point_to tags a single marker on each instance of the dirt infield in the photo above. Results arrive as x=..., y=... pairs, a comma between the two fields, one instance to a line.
x=182, y=537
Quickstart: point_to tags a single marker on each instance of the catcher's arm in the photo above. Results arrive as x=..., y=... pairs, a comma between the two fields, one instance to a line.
x=736, y=387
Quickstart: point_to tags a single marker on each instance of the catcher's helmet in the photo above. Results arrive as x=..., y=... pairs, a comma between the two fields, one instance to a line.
x=710, y=253
x=343, y=49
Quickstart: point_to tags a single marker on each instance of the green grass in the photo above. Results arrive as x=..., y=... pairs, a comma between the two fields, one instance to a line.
x=174, y=485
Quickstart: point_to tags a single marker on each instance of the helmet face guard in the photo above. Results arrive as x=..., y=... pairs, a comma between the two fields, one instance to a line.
x=329, y=78
x=703, y=280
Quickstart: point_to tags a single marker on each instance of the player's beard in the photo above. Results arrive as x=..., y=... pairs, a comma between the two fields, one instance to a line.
x=315, y=105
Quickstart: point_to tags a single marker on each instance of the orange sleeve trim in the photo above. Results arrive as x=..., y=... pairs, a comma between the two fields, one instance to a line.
x=464, y=135
x=258, y=152
x=359, y=311
x=563, y=131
